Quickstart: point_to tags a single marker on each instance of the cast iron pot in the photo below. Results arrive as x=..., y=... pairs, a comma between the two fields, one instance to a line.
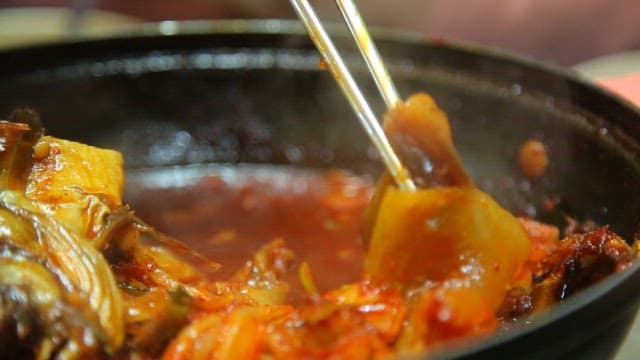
x=239, y=92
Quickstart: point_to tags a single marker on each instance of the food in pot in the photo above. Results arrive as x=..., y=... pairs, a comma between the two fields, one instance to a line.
x=81, y=276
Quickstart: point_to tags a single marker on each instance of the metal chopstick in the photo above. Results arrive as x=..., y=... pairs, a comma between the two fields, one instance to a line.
x=369, y=51
x=353, y=94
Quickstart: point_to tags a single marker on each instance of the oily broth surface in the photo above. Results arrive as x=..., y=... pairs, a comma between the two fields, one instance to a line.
x=318, y=215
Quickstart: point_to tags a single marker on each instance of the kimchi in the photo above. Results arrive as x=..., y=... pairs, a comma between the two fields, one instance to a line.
x=325, y=266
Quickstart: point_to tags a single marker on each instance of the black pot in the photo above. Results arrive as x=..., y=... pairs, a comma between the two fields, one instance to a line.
x=253, y=92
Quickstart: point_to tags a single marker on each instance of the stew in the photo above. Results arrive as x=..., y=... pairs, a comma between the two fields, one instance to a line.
x=300, y=265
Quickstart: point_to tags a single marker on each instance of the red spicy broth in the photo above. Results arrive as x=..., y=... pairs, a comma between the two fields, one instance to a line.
x=317, y=214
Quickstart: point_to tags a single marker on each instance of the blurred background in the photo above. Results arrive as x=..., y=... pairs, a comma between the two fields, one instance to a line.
x=564, y=32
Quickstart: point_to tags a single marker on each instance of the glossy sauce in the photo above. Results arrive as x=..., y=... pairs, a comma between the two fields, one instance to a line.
x=317, y=214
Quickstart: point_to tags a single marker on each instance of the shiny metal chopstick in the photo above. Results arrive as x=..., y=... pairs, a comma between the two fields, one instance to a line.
x=353, y=94
x=369, y=51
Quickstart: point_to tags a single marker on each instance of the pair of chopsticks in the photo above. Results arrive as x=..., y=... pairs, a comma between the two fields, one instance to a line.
x=348, y=85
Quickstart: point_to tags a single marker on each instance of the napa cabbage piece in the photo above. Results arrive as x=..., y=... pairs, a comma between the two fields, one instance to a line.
x=60, y=330
x=448, y=227
x=55, y=198
x=76, y=183
x=66, y=171
x=421, y=136
x=446, y=233
x=451, y=246
x=79, y=267
x=455, y=250
x=61, y=211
